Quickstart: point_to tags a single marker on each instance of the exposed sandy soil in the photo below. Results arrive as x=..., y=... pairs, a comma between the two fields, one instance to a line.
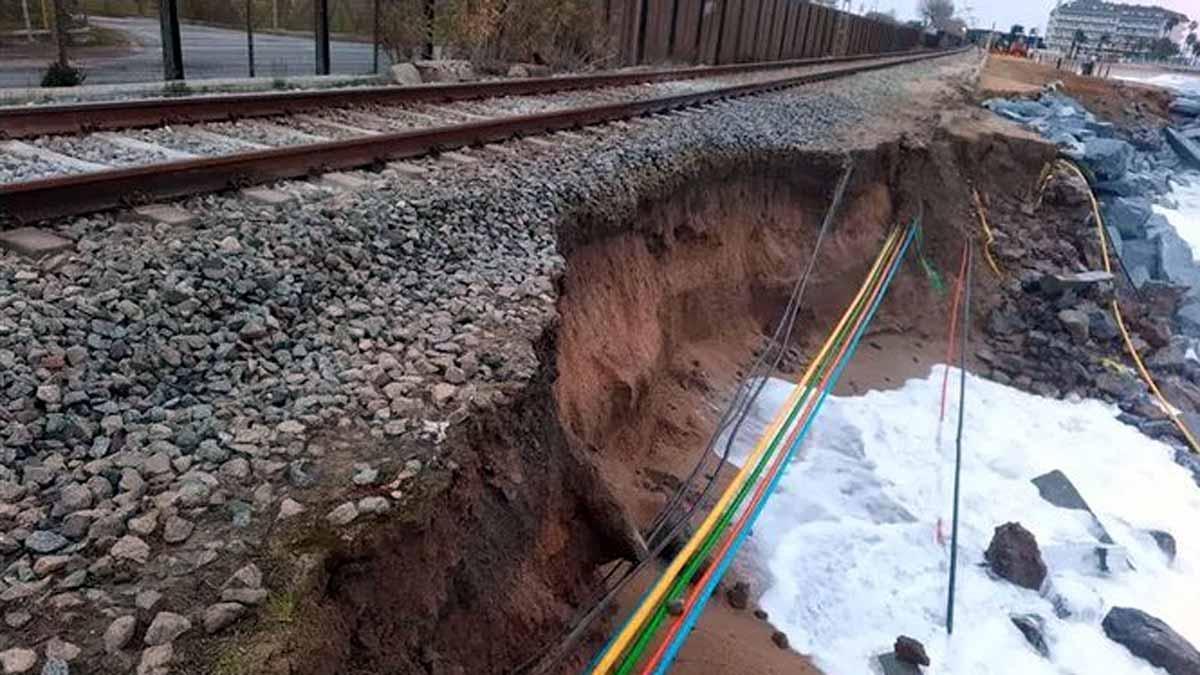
x=1118, y=101
x=645, y=398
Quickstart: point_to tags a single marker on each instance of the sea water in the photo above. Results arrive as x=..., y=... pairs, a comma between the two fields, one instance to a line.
x=1185, y=192
x=854, y=548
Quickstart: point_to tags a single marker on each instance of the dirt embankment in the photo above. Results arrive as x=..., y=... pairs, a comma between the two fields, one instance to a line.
x=1118, y=101
x=659, y=315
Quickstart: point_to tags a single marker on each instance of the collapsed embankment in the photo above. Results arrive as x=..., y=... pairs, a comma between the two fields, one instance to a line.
x=659, y=312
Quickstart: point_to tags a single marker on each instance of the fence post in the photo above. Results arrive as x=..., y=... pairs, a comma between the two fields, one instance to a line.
x=375, y=38
x=168, y=12
x=427, y=48
x=321, y=14
x=250, y=34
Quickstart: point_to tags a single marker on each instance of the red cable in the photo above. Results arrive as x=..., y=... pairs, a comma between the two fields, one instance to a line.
x=698, y=586
x=962, y=271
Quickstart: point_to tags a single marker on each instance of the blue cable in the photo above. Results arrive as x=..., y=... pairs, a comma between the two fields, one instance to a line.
x=707, y=592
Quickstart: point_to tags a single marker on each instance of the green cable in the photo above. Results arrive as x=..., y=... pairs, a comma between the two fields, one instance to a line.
x=935, y=278
x=648, y=632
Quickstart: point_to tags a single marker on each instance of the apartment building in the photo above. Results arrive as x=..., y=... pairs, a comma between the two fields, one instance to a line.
x=1110, y=29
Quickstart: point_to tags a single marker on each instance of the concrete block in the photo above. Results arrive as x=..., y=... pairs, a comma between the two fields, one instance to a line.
x=164, y=213
x=267, y=196
x=343, y=181
x=33, y=242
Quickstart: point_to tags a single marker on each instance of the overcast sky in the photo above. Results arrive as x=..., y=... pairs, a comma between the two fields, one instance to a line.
x=1005, y=13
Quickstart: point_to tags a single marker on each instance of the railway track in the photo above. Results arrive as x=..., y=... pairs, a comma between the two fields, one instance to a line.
x=260, y=139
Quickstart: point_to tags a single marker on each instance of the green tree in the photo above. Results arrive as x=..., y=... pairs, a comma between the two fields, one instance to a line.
x=1163, y=48
x=1078, y=40
x=936, y=13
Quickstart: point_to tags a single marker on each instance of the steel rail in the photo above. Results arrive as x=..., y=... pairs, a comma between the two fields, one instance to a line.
x=89, y=192
x=39, y=120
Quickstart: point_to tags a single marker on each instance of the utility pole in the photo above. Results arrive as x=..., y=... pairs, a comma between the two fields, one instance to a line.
x=28, y=23
x=275, y=14
x=168, y=12
x=321, y=15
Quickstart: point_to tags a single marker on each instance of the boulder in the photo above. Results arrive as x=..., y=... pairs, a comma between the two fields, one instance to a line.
x=1186, y=106
x=1020, y=110
x=1108, y=158
x=1176, y=263
x=1187, y=149
x=910, y=650
x=528, y=70
x=1076, y=323
x=1014, y=555
x=1129, y=216
x=1151, y=639
x=1096, y=282
x=406, y=73
x=445, y=71
x=1140, y=254
x=1185, y=458
x=1033, y=627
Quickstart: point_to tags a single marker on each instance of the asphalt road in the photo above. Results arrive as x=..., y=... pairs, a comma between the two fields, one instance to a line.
x=207, y=53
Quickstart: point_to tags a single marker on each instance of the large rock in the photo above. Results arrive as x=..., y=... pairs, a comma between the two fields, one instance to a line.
x=1140, y=254
x=165, y=628
x=1108, y=158
x=910, y=650
x=445, y=71
x=1175, y=259
x=1014, y=555
x=1187, y=149
x=1020, y=110
x=1186, y=106
x=406, y=73
x=1152, y=639
x=1129, y=216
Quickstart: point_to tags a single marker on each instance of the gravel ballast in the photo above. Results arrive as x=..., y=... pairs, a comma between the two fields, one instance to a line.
x=168, y=393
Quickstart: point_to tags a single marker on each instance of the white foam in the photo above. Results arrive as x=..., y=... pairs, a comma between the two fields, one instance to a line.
x=1185, y=218
x=848, y=539
x=1182, y=82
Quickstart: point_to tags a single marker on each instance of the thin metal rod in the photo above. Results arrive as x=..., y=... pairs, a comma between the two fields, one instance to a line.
x=962, y=394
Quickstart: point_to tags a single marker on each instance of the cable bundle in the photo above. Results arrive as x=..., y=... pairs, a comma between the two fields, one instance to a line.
x=728, y=524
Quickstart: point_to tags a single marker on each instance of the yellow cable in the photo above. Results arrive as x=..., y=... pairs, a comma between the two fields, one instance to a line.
x=987, y=231
x=631, y=628
x=1171, y=410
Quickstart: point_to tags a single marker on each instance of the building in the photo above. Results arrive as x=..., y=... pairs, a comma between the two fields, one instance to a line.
x=1110, y=29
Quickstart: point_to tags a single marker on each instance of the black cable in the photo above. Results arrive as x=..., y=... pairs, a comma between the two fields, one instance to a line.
x=737, y=410
x=962, y=397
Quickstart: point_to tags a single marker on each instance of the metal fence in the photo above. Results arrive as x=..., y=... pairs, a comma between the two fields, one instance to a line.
x=733, y=31
x=206, y=39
